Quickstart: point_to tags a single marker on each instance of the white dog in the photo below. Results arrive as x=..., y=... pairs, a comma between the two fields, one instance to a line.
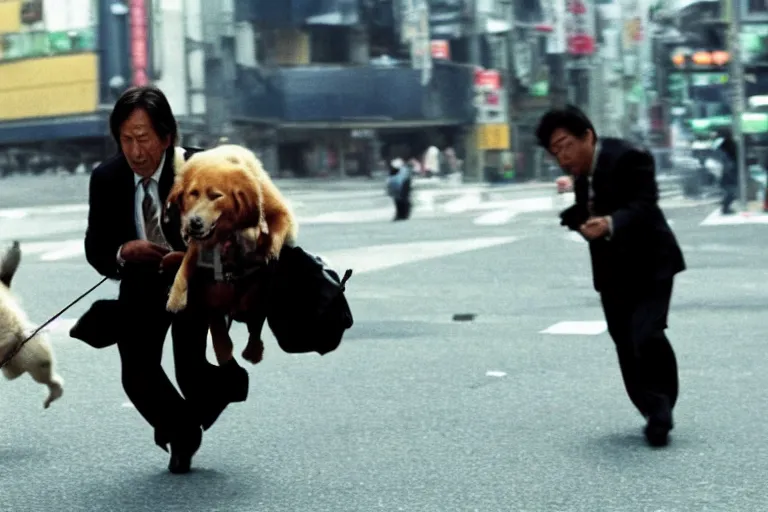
x=36, y=356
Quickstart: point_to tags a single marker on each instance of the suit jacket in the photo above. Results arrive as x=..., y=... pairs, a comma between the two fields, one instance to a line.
x=111, y=213
x=111, y=223
x=642, y=247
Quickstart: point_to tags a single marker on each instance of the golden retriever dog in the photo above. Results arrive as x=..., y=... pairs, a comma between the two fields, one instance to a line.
x=224, y=194
x=35, y=356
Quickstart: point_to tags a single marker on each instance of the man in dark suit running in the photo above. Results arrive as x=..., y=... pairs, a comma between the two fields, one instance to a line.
x=129, y=234
x=635, y=255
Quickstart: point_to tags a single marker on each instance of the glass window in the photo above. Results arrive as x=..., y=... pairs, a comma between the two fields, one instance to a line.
x=52, y=27
x=757, y=6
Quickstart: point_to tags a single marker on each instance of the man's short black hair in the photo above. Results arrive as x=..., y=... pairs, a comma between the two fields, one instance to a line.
x=150, y=99
x=570, y=118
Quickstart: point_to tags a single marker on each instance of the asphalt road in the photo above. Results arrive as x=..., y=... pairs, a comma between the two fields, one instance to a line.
x=415, y=412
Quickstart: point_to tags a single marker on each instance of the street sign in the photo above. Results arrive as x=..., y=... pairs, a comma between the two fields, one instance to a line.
x=493, y=137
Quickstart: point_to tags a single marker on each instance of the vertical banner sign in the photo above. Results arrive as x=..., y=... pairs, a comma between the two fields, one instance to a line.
x=139, y=52
x=416, y=33
x=490, y=102
x=556, y=15
x=580, y=27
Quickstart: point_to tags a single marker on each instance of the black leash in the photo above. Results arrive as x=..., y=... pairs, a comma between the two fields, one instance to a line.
x=16, y=349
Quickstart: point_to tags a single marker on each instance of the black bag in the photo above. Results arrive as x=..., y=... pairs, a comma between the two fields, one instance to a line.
x=307, y=310
x=100, y=326
x=574, y=217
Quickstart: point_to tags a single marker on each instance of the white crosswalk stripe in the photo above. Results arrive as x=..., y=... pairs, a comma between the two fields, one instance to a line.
x=55, y=233
x=716, y=218
x=362, y=260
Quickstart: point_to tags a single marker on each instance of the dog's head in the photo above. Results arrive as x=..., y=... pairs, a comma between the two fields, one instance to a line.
x=216, y=195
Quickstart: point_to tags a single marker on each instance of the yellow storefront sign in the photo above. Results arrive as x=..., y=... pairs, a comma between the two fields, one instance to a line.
x=493, y=137
x=49, y=86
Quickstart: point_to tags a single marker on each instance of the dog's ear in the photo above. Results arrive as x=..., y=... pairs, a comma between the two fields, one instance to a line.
x=176, y=195
x=248, y=206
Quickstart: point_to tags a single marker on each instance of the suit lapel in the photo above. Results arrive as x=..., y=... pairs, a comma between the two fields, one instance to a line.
x=128, y=198
x=170, y=224
x=166, y=177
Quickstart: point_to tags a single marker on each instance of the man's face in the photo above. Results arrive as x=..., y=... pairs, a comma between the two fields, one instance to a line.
x=141, y=145
x=573, y=154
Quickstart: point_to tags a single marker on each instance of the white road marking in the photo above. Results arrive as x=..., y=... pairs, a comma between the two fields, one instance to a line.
x=67, y=250
x=350, y=217
x=380, y=257
x=463, y=203
x=716, y=218
x=128, y=405
x=495, y=218
x=576, y=328
x=56, y=209
x=492, y=373
x=574, y=237
x=35, y=229
x=43, y=247
x=61, y=325
x=531, y=204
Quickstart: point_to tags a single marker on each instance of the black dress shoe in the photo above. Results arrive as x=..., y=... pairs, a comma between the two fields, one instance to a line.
x=234, y=389
x=657, y=434
x=659, y=425
x=182, y=451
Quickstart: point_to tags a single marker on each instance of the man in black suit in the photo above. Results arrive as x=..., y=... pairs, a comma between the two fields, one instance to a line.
x=128, y=237
x=635, y=255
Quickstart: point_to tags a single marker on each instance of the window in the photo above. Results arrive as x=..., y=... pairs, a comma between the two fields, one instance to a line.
x=757, y=6
x=51, y=27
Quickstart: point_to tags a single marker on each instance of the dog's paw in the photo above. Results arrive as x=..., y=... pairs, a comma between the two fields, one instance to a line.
x=176, y=301
x=271, y=250
x=249, y=240
x=56, y=391
x=254, y=352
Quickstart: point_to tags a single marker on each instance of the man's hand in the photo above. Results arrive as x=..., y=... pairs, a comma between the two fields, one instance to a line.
x=142, y=251
x=171, y=261
x=594, y=228
x=564, y=184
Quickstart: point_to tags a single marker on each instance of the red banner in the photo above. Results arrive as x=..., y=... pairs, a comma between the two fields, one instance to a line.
x=440, y=49
x=580, y=27
x=487, y=79
x=138, y=38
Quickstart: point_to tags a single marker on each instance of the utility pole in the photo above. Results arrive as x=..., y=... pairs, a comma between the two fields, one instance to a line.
x=556, y=56
x=733, y=18
x=474, y=162
x=220, y=69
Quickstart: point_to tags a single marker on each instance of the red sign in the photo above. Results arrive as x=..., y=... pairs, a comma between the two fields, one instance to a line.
x=440, y=49
x=581, y=44
x=138, y=38
x=579, y=28
x=488, y=79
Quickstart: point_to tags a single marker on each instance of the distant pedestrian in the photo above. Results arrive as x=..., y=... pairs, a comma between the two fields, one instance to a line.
x=399, y=188
x=635, y=255
x=729, y=180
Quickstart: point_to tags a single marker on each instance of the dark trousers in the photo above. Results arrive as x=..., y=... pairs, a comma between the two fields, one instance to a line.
x=402, y=209
x=403, y=202
x=636, y=321
x=729, y=196
x=205, y=386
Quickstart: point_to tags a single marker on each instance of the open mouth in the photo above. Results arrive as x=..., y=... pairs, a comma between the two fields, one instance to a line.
x=201, y=236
